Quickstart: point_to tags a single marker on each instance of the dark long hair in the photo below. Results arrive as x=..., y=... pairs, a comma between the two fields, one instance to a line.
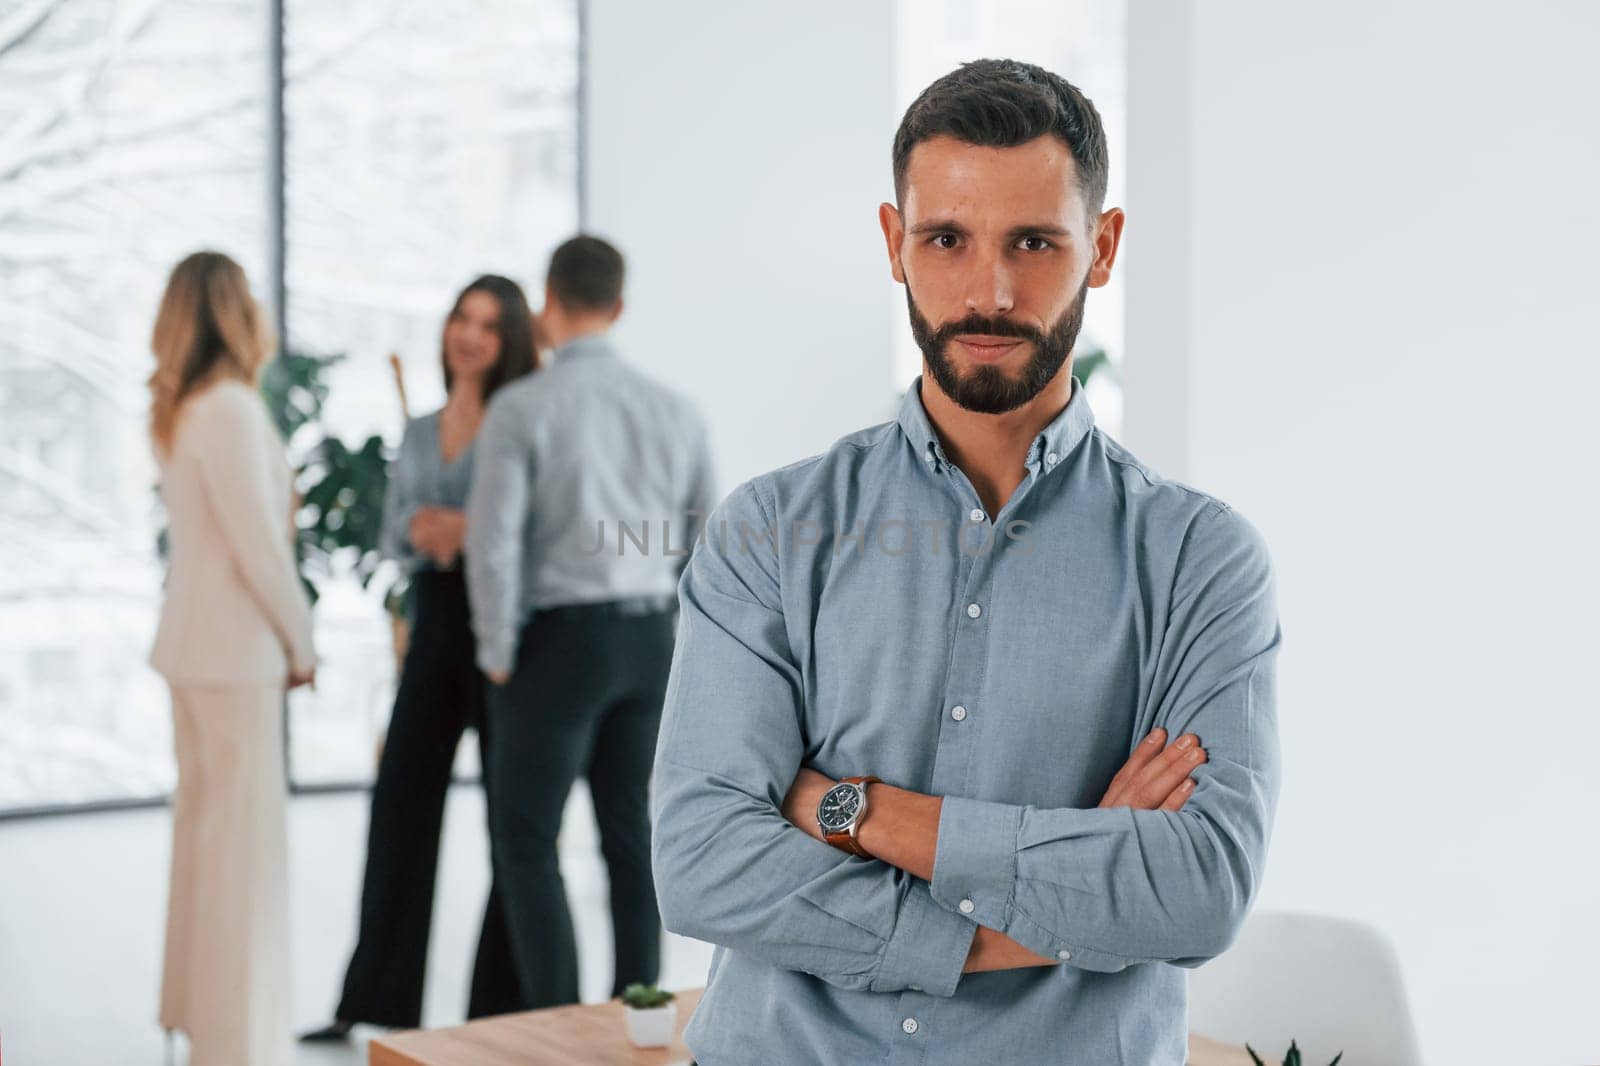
x=518, y=355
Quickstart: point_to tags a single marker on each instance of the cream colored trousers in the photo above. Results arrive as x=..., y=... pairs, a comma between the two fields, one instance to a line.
x=225, y=978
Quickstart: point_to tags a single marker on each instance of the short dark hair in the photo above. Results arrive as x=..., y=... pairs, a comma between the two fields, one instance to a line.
x=518, y=356
x=1001, y=103
x=586, y=274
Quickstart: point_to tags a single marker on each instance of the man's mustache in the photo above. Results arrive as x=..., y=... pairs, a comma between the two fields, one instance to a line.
x=993, y=327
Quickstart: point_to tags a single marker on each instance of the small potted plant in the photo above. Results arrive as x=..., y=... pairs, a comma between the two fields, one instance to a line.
x=1291, y=1058
x=652, y=1015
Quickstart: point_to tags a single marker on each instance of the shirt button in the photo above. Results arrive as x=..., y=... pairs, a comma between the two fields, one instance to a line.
x=1063, y=954
x=1052, y=459
x=967, y=906
x=958, y=713
x=973, y=610
x=909, y=1025
x=976, y=514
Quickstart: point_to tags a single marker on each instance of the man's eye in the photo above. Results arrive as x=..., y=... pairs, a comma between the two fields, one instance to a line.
x=1034, y=244
x=945, y=240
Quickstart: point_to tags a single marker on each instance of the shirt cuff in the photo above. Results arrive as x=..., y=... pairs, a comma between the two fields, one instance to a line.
x=975, y=866
x=928, y=948
x=494, y=656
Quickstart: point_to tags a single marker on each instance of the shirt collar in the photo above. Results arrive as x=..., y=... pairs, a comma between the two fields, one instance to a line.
x=588, y=344
x=1051, y=447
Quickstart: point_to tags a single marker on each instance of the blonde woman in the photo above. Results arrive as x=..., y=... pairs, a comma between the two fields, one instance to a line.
x=235, y=631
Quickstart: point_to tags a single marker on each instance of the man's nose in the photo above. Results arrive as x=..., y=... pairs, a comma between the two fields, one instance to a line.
x=989, y=290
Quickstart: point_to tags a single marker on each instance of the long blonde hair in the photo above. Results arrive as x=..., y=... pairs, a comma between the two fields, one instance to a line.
x=209, y=327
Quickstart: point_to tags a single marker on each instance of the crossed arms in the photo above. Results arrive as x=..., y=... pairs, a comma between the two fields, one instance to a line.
x=902, y=828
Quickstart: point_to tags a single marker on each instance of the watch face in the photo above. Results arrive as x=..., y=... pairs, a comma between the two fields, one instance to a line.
x=838, y=808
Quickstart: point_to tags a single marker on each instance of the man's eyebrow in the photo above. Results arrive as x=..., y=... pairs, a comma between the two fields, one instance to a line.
x=944, y=225
x=937, y=225
x=1046, y=229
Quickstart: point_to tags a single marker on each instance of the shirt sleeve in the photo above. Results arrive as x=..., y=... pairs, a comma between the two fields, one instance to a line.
x=400, y=504
x=237, y=451
x=729, y=867
x=1101, y=889
x=496, y=511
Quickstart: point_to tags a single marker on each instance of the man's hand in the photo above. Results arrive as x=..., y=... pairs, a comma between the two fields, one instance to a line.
x=499, y=677
x=1153, y=779
x=307, y=678
x=1156, y=779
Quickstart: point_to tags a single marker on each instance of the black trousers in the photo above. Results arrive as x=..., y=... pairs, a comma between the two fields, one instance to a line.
x=441, y=694
x=584, y=699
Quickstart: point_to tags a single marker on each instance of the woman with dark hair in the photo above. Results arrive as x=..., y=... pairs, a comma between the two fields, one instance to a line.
x=488, y=341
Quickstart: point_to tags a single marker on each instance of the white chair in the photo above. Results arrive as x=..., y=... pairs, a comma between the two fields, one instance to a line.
x=1329, y=984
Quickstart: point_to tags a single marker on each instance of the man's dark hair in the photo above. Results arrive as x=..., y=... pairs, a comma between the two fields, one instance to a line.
x=586, y=274
x=1001, y=103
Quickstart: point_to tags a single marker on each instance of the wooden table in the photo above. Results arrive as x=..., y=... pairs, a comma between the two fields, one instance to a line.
x=560, y=1036
x=597, y=1036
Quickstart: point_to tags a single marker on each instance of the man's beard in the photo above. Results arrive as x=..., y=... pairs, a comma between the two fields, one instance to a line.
x=987, y=389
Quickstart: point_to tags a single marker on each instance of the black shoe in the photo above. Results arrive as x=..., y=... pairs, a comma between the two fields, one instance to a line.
x=337, y=1033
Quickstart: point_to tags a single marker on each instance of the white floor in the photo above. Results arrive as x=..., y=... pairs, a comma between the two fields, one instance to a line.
x=82, y=901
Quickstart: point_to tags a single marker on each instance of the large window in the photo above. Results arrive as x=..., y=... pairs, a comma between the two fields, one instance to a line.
x=426, y=143
x=421, y=143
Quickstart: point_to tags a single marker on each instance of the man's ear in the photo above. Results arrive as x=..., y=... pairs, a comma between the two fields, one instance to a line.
x=894, y=233
x=1107, y=240
x=616, y=312
x=551, y=314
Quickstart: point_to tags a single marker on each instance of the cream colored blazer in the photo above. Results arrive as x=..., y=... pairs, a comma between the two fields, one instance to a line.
x=235, y=611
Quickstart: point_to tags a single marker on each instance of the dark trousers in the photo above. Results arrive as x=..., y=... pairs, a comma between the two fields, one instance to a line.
x=584, y=699
x=441, y=693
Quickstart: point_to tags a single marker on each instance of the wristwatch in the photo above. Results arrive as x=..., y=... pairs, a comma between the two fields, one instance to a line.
x=840, y=812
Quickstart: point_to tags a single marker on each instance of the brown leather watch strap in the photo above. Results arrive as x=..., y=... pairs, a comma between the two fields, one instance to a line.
x=846, y=839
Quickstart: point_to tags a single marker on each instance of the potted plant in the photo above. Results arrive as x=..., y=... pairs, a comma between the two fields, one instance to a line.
x=652, y=1015
x=1290, y=1058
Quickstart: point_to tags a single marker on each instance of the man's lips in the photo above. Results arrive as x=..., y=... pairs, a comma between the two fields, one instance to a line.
x=987, y=347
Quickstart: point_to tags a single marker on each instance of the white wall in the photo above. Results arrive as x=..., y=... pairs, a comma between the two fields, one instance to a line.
x=1377, y=224
x=737, y=155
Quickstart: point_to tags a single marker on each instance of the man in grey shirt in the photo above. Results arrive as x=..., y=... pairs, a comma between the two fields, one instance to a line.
x=914, y=777
x=587, y=482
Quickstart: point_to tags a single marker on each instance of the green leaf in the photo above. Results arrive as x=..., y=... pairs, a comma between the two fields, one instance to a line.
x=1253, y=1056
x=646, y=997
x=1085, y=365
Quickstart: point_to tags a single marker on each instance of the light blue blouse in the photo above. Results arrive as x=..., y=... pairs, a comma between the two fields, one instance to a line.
x=420, y=477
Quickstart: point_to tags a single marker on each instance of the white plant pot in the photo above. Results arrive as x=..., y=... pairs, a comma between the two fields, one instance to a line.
x=654, y=1027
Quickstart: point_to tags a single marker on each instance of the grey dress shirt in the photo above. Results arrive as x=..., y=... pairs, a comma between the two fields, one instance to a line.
x=589, y=483
x=420, y=477
x=858, y=612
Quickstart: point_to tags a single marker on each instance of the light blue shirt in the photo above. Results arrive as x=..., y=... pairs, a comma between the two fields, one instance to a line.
x=420, y=477
x=844, y=613
x=589, y=482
